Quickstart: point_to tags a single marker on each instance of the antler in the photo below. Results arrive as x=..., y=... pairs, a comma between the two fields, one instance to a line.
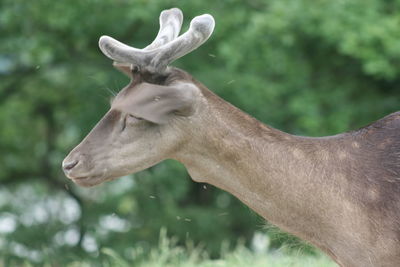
x=166, y=47
x=170, y=26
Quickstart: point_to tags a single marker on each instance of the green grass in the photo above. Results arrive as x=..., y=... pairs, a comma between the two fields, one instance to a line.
x=240, y=257
x=169, y=254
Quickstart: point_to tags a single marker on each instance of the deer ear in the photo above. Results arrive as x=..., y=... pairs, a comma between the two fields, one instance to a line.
x=159, y=104
x=125, y=68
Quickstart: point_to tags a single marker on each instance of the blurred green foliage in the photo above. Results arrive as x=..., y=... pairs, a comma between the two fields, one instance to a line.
x=304, y=66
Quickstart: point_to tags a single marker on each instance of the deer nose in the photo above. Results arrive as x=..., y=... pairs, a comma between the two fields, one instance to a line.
x=69, y=165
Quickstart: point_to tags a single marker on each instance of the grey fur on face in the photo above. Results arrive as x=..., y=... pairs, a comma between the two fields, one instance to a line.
x=167, y=46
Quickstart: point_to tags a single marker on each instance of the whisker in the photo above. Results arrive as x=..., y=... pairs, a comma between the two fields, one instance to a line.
x=111, y=91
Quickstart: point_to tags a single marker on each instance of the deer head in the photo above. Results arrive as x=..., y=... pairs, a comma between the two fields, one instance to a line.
x=147, y=118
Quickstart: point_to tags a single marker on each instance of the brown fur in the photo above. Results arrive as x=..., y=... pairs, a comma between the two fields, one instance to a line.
x=359, y=170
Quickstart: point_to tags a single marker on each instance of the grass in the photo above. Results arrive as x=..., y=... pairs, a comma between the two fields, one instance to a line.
x=169, y=254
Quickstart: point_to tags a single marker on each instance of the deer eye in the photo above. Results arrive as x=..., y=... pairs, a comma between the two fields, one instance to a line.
x=129, y=119
x=132, y=119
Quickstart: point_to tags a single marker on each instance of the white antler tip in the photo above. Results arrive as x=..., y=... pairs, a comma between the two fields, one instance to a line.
x=204, y=24
x=114, y=49
x=104, y=41
x=174, y=12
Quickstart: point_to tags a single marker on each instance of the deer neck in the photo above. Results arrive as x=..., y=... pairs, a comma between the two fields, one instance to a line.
x=282, y=177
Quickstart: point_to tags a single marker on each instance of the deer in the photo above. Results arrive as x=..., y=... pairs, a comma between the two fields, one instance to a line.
x=340, y=193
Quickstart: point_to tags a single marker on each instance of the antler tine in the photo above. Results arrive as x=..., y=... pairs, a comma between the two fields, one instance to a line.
x=170, y=26
x=123, y=53
x=201, y=28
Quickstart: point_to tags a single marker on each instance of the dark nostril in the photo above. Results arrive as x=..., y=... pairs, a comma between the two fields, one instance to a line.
x=69, y=165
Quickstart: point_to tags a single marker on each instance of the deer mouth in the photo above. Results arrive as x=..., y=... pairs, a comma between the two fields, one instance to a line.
x=88, y=181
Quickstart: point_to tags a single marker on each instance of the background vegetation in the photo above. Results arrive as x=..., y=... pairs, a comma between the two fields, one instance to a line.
x=304, y=66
